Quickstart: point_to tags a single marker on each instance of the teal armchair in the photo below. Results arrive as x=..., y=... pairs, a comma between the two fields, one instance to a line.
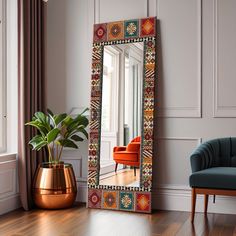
x=213, y=166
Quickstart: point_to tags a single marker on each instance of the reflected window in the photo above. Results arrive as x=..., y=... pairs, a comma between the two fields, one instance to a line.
x=109, y=78
x=133, y=93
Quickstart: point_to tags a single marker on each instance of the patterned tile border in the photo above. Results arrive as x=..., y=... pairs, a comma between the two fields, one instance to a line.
x=119, y=30
x=125, y=200
x=110, y=197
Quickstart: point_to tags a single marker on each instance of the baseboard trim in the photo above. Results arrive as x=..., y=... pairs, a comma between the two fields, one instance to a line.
x=10, y=203
x=175, y=199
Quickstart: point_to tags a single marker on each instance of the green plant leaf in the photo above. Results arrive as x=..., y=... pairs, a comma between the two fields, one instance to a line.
x=40, y=145
x=35, y=141
x=42, y=118
x=77, y=138
x=36, y=138
x=52, y=123
x=67, y=121
x=52, y=135
x=59, y=118
x=82, y=120
x=78, y=122
x=73, y=126
x=67, y=143
x=82, y=130
x=37, y=124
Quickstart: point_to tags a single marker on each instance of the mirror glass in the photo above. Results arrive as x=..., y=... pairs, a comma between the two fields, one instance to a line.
x=121, y=119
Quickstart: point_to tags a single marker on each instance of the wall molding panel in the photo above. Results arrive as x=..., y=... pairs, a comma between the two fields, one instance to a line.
x=181, y=110
x=171, y=152
x=113, y=10
x=219, y=110
x=9, y=192
x=10, y=203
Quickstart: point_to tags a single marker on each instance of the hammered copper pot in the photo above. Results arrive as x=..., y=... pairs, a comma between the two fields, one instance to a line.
x=54, y=186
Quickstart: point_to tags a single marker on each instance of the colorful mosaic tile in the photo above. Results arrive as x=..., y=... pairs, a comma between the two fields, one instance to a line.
x=143, y=202
x=92, y=174
x=115, y=30
x=127, y=201
x=100, y=32
x=110, y=200
x=131, y=28
x=94, y=198
x=97, y=54
x=148, y=27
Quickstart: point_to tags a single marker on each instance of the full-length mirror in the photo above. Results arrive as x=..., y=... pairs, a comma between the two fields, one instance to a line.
x=121, y=114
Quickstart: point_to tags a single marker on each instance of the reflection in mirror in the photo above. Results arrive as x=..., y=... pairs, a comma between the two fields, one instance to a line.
x=121, y=119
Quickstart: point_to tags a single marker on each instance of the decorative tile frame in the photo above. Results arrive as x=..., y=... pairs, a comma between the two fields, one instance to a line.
x=122, y=197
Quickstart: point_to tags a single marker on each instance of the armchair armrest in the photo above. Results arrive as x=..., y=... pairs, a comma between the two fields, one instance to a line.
x=203, y=157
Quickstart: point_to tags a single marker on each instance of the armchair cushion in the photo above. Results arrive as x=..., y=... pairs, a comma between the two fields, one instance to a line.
x=127, y=156
x=215, y=178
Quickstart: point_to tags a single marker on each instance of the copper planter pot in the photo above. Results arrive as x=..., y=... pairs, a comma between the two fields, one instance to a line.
x=54, y=186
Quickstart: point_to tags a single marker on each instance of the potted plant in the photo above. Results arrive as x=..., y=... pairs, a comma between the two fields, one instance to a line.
x=54, y=184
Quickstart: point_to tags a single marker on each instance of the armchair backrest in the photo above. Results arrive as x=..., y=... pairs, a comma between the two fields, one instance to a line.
x=214, y=153
x=134, y=145
x=136, y=139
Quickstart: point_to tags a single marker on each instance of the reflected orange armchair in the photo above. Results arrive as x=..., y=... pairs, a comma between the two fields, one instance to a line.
x=128, y=155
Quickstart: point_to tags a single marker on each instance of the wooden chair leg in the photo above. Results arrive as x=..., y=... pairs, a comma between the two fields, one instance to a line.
x=116, y=167
x=206, y=196
x=134, y=171
x=194, y=196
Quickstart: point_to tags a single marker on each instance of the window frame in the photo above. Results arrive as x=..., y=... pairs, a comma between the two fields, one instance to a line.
x=113, y=111
x=3, y=82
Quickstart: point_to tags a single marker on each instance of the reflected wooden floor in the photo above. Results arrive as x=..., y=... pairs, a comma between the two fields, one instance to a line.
x=123, y=177
x=80, y=221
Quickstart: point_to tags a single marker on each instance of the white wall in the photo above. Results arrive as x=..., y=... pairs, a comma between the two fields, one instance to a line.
x=197, y=67
x=56, y=56
x=68, y=57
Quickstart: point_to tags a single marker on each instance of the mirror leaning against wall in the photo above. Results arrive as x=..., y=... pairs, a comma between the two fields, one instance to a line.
x=122, y=115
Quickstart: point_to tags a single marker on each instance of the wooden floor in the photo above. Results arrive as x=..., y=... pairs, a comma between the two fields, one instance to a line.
x=80, y=221
x=121, y=178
